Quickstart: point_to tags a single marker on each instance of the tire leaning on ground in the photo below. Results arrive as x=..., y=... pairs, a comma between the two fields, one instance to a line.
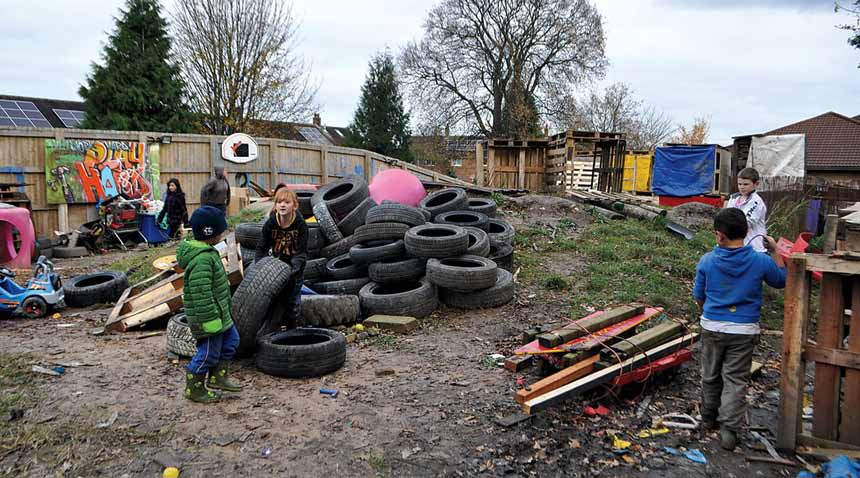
x=104, y=287
x=389, y=271
x=479, y=242
x=395, y=212
x=327, y=223
x=444, y=200
x=501, y=232
x=464, y=219
x=180, y=340
x=70, y=252
x=255, y=296
x=342, y=196
x=356, y=217
x=499, y=294
x=463, y=273
x=330, y=310
x=248, y=234
x=482, y=205
x=436, y=240
x=303, y=352
x=413, y=299
x=503, y=256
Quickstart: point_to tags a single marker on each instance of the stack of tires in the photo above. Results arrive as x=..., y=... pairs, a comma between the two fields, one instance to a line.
x=367, y=258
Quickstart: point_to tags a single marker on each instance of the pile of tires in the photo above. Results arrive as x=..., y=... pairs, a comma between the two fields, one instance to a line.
x=366, y=258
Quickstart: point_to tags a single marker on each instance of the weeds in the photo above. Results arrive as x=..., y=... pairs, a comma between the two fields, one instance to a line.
x=555, y=282
x=247, y=215
x=377, y=462
x=138, y=264
x=384, y=340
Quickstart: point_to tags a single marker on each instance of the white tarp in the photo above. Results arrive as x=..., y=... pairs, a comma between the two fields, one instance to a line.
x=778, y=155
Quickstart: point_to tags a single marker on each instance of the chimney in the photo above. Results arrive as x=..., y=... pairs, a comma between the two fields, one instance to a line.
x=317, y=120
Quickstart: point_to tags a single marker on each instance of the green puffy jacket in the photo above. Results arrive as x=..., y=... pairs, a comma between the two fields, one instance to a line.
x=206, y=291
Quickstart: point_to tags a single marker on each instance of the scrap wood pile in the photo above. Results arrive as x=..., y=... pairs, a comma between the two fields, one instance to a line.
x=618, y=206
x=608, y=347
x=390, y=258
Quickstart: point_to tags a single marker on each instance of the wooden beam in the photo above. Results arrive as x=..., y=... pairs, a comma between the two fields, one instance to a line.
x=515, y=363
x=650, y=338
x=491, y=165
x=557, y=380
x=849, y=430
x=479, y=163
x=832, y=356
x=605, y=375
x=324, y=165
x=791, y=380
x=582, y=327
x=521, y=165
x=825, y=420
x=822, y=263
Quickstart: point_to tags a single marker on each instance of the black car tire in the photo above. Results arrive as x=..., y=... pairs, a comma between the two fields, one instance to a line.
x=380, y=231
x=315, y=269
x=436, y=240
x=330, y=310
x=305, y=205
x=342, y=196
x=463, y=273
x=340, y=287
x=303, y=352
x=483, y=205
x=395, y=212
x=503, y=256
x=254, y=298
x=413, y=299
x=248, y=234
x=343, y=267
x=444, y=200
x=501, y=232
x=180, y=340
x=389, y=271
x=499, y=294
x=362, y=254
x=479, y=242
x=105, y=287
x=340, y=247
x=327, y=223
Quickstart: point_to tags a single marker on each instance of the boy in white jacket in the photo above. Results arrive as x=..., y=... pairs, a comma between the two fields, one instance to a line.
x=753, y=207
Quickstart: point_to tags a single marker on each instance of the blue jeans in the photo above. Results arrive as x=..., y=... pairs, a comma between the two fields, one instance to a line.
x=214, y=349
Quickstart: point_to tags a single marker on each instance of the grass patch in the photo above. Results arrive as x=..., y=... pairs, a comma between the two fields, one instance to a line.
x=385, y=341
x=555, y=282
x=15, y=379
x=377, y=463
x=247, y=215
x=138, y=264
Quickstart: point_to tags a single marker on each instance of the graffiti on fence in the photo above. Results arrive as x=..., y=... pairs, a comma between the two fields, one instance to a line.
x=86, y=171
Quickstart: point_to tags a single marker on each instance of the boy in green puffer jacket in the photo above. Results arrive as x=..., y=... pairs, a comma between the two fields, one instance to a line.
x=206, y=294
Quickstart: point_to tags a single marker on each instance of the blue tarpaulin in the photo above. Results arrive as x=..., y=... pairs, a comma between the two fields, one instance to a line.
x=683, y=171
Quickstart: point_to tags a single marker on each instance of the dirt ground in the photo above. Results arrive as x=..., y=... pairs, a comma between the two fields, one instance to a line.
x=422, y=404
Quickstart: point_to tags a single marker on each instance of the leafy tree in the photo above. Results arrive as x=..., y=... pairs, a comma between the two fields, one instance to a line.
x=519, y=113
x=240, y=62
x=853, y=10
x=472, y=50
x=697, y=133
x=137, y=86
x=380, y=123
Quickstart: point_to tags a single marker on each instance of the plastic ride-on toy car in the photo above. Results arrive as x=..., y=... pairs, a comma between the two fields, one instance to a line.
x=43, y=291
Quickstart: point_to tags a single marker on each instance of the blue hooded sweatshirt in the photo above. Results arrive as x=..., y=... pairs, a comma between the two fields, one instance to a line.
x=729, y=281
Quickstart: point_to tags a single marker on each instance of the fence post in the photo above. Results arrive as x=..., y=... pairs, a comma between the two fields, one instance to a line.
x=521, y=169
x=323, y=165
x=491, y=163
x=367, y=165
x=791, y=380
x=62, y=208
x=479, y=163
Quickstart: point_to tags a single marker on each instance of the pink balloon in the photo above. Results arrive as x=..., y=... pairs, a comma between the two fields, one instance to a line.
x=397, y=185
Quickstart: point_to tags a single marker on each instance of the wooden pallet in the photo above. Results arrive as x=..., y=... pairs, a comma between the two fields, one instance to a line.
x=139, y=304
x=836, y=418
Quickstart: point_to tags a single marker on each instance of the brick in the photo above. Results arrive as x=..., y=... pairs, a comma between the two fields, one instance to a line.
x=395, y=323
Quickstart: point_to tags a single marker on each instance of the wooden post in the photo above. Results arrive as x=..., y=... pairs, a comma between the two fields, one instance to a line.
x=521, y=166
x=323, y=165
x=63, y=208
x=366, y=166
x=214, y=152
x=791, y=381
x=277, y=157
x=479, y=163
x=830, y=226
x=849, y=429
x=491, y=164
x=825, y=419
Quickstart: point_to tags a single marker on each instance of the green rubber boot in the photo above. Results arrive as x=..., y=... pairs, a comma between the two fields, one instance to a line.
x=219, y=379
x=195, y=389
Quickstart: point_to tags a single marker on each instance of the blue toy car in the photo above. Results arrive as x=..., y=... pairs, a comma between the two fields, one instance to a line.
x=43, y=291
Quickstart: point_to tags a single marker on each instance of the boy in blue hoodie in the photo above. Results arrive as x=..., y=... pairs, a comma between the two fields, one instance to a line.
x=728, y=291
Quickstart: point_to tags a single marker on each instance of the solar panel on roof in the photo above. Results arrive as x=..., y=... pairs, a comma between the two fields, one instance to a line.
x=313, y=135
x=21, y=113
x=70, y=118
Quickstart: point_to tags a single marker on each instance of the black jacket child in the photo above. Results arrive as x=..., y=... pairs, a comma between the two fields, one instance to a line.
x=289, y=245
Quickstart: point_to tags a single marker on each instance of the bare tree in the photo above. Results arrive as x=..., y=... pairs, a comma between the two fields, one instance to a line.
x=615, y=109
x=239, y=60
x=697, y=133
x=472, y=49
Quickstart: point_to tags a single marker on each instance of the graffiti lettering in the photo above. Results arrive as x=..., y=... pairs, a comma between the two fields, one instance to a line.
x=95, y=170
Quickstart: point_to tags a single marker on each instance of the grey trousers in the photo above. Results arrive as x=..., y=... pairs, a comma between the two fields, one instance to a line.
x=726, y=361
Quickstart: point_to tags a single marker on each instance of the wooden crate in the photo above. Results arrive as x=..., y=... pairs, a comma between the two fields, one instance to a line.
x=836, y=418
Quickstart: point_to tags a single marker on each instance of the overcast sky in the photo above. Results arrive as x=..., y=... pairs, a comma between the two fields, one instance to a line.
x=747, y=65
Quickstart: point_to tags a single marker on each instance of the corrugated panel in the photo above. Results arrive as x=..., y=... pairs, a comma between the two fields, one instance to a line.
x=637, y=172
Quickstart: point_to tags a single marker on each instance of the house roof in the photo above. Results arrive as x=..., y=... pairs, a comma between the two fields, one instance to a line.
x=832, y=141
x=47, y=106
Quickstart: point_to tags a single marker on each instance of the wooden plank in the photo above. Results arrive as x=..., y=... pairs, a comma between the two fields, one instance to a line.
x=581, y=328
x=822, y=263
x=160, y=311
x=828, y=453
x=849, y=428
x=479, y=163
x=832, y=356
x=650, y=338
x=825, y=420
x=515, y=363
x=556, y=380
x=521, y=174
x=791, y=380
x=808, y=440
x=605, y=375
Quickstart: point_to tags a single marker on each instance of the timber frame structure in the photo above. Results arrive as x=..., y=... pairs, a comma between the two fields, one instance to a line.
x=836, y=416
